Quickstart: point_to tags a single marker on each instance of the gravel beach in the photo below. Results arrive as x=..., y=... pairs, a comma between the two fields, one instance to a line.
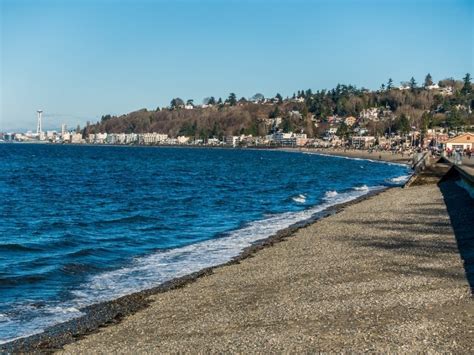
x=362, y=154
x=384, y=274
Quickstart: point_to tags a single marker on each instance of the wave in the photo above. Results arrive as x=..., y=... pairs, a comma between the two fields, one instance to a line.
x=125, y=220
x=355, y=158
x=399, y=179
x=299, y=199
x=17, y=247
x=361, y=188
x=152, y=270
x=330, y=194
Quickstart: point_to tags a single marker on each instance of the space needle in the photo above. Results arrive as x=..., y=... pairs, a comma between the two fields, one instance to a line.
x=39, y=128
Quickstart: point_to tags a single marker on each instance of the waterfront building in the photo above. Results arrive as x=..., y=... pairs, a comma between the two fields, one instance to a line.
x=183, y=139
x=232, y=140
x=154, y=138
x=362, y=141
x=76, y=138
x=463, y=141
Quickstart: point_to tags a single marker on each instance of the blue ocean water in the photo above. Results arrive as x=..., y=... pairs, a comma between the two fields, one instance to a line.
x=84, y=224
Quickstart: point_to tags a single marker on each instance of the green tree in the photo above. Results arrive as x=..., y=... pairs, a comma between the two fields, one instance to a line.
x=412, y=83
x=279, y=98
x=287, y=125
x=390, y=84
x=466, y=89
x=232, y=99
x=403, y=124
x=275, y=113
x=382, y=87
x=342, y=130
x=428, y=80
x=190, y=102
x=209, y=100
x=454, y=119
x=425, y=122
x=176, y=103
x=105, y=118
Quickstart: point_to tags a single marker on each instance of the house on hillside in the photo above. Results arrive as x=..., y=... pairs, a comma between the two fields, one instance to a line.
x=350, y=121
x=371, y=114
x=463, y=141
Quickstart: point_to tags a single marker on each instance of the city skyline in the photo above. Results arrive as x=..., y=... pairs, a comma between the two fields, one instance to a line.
x=84, y=59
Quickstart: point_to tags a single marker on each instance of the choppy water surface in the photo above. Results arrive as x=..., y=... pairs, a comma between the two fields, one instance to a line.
x=80, y=225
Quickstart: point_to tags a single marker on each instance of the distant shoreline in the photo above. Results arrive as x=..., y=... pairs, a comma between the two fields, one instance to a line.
x=349, y=153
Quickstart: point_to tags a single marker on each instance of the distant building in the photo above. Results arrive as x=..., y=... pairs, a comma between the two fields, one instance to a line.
x=371, y=114
x=213, y=141
x=232, y=140
x=154, y=138
x=76, y=138
x=432, y=87
x=463, y=141
x=362, y=141
x=350, y=121
x=183, y=139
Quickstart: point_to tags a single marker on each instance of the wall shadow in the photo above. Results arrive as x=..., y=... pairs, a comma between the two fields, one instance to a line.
x=460, y=208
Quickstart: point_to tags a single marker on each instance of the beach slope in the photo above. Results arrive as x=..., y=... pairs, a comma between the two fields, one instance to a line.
x=384, y=274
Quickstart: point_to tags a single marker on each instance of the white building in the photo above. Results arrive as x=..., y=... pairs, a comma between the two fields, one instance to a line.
x=213, y=141
x=76, y=138
x=462, y=142
x=154, y=138
x=232, y=140
x=183, y=140
x=362, y=141
x=371, y=114
x=432, y=87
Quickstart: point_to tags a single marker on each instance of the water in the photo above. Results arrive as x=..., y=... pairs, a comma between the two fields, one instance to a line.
x=80, y=225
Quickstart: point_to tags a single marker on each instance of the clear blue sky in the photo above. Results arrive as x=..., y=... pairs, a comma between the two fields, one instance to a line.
x=78, y=60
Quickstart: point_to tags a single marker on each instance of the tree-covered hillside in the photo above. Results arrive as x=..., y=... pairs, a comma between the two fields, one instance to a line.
x=448, y=103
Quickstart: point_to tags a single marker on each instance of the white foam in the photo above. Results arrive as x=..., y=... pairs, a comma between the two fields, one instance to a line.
x=330, y=194
x=361, y=188
x=400, y=179
x=300, y=198
x=152, y=270
x=354, y=158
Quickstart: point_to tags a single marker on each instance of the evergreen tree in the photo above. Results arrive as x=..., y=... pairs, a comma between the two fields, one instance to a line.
x=382, y=87
x=219, y=102
x=412, y=84
x=279, y=98
x=232, y=99
x=466, y=89
x=287, y=125
x=428, y=80
x=343, y=130
x=390, y=84
x=275, y=113
x=454, y=119
x=403, y=124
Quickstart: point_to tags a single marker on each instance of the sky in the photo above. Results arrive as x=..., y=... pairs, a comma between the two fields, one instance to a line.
x=80, y=59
